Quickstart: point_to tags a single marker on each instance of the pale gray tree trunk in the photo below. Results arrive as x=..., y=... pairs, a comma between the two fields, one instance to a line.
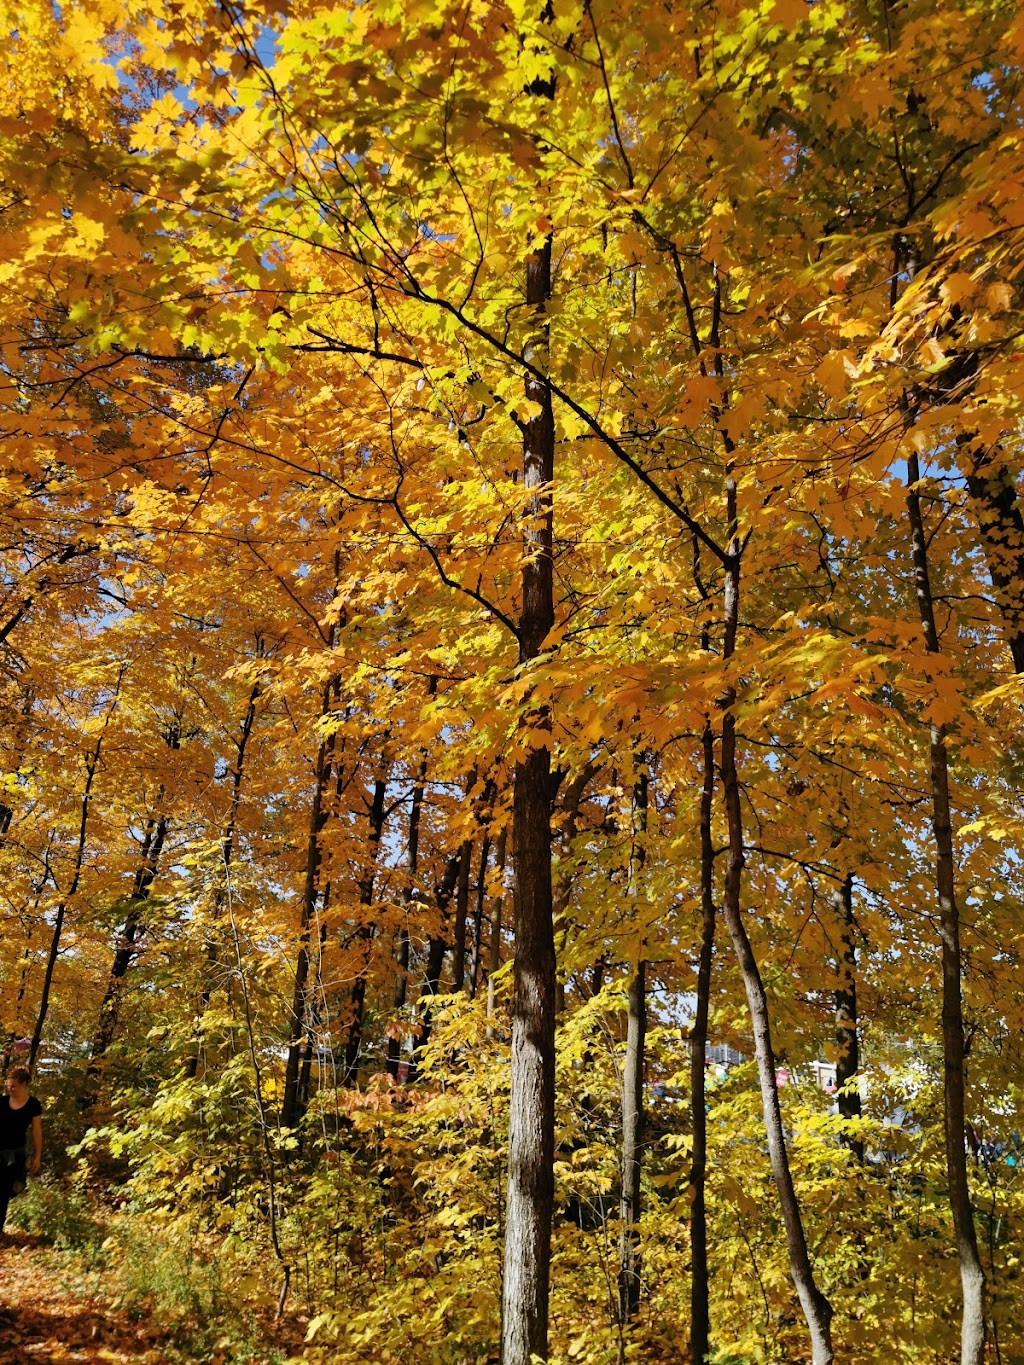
x=816, y=1308
x=972, y=1275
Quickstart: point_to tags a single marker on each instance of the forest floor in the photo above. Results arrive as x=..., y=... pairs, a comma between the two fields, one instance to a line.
x=52, y=1312
x=60, y=1308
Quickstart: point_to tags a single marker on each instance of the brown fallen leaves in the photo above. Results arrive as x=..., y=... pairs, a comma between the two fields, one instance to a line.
x=53, y=1314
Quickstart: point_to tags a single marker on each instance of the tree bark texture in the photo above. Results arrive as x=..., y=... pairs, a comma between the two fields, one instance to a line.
x=527, y=1256
x=816, y=1308
x=700, y=1322
x=972, y=1275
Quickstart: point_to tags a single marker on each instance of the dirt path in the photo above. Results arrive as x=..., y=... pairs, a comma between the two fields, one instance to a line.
x=51, y=1314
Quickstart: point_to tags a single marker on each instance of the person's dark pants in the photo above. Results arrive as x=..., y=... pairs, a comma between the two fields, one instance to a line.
x=12, y=1179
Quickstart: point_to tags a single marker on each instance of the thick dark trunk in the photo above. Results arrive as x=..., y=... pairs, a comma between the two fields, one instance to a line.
x=526, y=1269
x=972, y=1275
x=354, y=1043
x=996, y=505
x=699, y=1284
x=816, y=1308
x=847, y=1037
x=297, y=1020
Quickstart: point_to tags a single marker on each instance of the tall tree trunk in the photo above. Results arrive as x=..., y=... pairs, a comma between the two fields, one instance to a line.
x=298, y=1014
x=461, y=915
x=412, y=858
x=227, y=851
x=526, y=1269
x=700, y=1323
x=124, y=954
x=91, y=765
x=478, y=915
x=816, y=1308
x=562, y=878
x=315, y=1013
x=633, y=1086
x=353, y=1046
x=847, y=1039
x=437, y=947
x=972, y=1275
x=494, y=946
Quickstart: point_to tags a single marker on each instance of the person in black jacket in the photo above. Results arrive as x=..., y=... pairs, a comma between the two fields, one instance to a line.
x=20, y=1114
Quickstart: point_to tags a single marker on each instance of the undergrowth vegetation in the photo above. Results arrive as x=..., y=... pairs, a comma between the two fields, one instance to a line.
x=376, y=1227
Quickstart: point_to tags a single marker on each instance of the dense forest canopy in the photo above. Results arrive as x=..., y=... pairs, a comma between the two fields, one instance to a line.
x=513, y=584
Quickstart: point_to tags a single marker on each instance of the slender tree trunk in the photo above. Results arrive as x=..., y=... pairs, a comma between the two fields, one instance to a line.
x=461, y=915
x=297, y=1018
x=315, y=1013
x=227, y=851
x=562, y=878
x=358, y=1001
x=633, y=1088
x=480, y=896
x=972, y=1275
x=525, y=1282
x=412, y=858
x=28, y=915
x=816, y=1308
x=437, y=947
x=494, y=947
x=847, y=1039
x=91, y=765
x=124, y=954
x=700, y=1325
